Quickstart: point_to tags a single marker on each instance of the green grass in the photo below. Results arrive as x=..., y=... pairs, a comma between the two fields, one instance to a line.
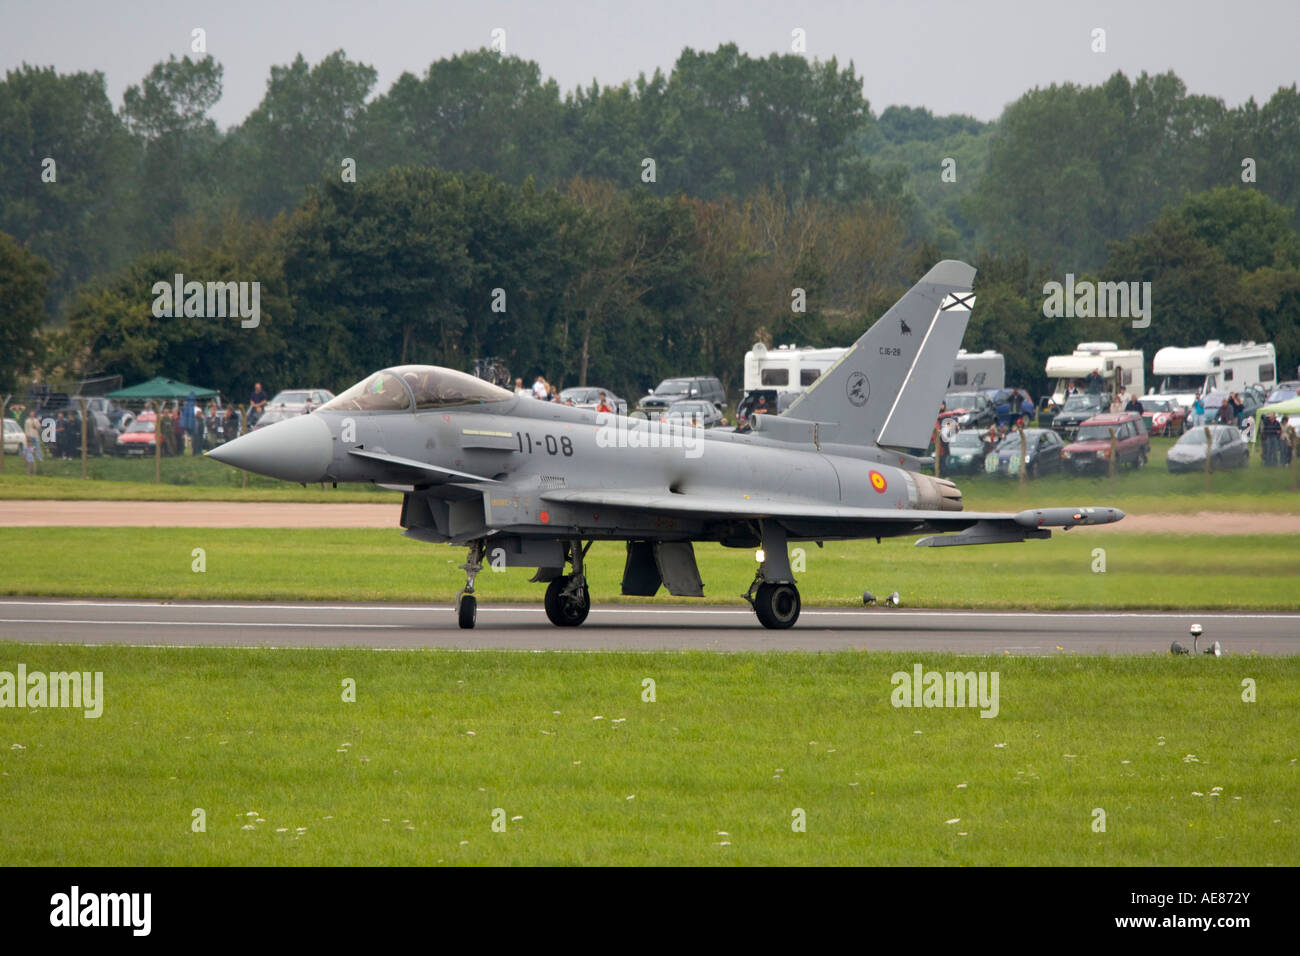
x=1151, y=490
x=411, y=773
x=1142, y=570
x=184, y=478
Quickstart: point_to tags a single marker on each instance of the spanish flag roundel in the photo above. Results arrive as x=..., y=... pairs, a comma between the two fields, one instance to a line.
x=878, y=481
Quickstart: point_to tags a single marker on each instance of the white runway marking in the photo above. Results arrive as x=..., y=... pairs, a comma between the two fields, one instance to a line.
x=630, y=609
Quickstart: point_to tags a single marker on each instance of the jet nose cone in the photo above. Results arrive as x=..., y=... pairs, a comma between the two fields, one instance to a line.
x=296, y=449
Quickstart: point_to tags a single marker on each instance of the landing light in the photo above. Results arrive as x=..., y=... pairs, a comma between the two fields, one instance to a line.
x=760, y=555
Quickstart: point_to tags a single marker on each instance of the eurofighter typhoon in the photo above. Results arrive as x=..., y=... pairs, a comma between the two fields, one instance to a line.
x=527, y=483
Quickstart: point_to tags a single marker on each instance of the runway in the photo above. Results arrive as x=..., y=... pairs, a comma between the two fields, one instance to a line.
x=632, y=627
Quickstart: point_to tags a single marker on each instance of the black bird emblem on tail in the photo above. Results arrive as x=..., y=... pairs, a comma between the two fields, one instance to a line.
x=903, y=327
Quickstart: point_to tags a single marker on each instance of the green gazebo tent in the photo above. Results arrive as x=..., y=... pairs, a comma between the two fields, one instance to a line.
x=167, y=389
x=1290, y=407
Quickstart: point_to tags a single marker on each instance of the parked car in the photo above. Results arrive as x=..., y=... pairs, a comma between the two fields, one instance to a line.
x=1013, y=399
x=588, y=396
x=692, y=411
x=15, y=439
x=1163, y=416
x=966, y=453
x=277, y=413
x=1284, y=392
x=1076, y=410
x=675, y=389
x=1226, y=448
x=138, y=438
x=1091, y=449
x=969, y=409
x=1043, y=449
x=1214, y=402
x=300, y=400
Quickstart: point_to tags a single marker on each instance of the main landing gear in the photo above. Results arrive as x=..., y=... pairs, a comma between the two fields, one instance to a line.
x=568, y=602
x=466, y=602
x=773, y=594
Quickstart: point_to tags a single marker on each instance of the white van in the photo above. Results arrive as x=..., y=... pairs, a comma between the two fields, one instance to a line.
x=1181, y=374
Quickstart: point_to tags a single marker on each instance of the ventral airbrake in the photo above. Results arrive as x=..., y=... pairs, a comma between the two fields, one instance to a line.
x=533, y=484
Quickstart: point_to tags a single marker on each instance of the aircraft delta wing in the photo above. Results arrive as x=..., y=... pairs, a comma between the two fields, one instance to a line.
x=527, y=483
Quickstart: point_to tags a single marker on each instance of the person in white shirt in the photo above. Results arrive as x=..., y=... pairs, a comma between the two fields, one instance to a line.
x=540, y=389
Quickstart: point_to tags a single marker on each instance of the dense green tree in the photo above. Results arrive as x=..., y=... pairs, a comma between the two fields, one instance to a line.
x=177, y=142
x=67, y=162
x=24, y=284
x=475, y=111
x=307, y=124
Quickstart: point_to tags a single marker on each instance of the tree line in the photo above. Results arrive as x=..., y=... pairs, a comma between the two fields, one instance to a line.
x=616, y=234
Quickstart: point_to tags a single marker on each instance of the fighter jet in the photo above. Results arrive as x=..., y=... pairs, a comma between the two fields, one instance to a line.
x=527, y=483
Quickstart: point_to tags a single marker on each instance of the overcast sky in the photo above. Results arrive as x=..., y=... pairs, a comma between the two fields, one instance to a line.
x=951, y=56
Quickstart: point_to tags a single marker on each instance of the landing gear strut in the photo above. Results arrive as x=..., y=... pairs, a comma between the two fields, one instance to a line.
x=772, y=594
x=568, y=602
x=466, y=602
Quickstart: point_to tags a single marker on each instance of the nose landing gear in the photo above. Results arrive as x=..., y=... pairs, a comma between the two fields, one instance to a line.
x=466, y=602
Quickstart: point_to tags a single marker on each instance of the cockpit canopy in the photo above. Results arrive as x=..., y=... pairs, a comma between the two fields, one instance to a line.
x=419, y=387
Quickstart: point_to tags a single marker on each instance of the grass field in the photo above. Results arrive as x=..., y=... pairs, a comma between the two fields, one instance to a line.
x=184, y=478
x=585, y=771
x=1150, y=490
x=1141, y=570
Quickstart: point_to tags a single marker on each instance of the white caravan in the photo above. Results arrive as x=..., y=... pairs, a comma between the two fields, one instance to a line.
x=977, y=370
x=1120, y=369
x=781, y=373
x=1182, y=373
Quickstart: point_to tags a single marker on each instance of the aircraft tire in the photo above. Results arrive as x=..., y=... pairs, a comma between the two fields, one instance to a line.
x=777, y=605
x=467, y=611
x=564, y=613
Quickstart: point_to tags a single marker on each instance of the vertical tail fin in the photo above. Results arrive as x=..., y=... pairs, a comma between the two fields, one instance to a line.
x=887, y=388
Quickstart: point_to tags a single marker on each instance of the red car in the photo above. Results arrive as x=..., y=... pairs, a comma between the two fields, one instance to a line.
x=1091, y=448
x=138, y=437
x=1163, y=416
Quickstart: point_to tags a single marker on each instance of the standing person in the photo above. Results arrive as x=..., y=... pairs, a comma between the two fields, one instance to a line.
x=61, y=436
x=520, y=391
x=1027, y=409
x=189, y=423
x=33, y=430
x=1270, y=432
x=168, y=425
x=256, y=404
x=1198, y=409
x=603, y=404
x=540, y=390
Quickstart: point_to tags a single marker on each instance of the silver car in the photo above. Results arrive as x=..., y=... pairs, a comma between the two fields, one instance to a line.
x=588, y=396
x=300, y=401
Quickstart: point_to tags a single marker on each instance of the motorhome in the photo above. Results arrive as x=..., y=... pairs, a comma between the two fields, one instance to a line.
x=1120, y=369
x=1181, y=374
x=974, y=371
x=778, y=375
